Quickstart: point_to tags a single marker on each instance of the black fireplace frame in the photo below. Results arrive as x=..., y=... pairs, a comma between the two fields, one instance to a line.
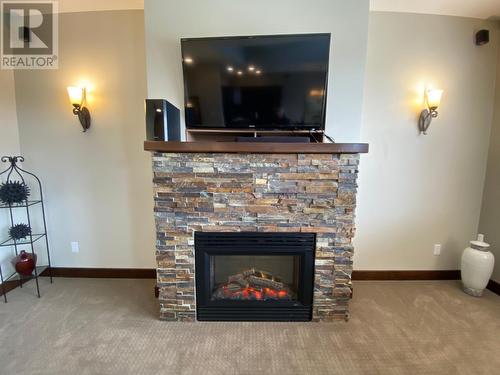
x=208, y=244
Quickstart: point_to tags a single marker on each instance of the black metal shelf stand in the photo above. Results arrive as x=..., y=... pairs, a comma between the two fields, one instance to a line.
x=15, y=173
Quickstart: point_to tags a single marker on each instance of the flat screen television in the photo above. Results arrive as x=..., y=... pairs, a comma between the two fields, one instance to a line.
x=261, y=82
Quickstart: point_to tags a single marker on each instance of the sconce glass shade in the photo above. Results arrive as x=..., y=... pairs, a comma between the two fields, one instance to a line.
x=433, y=98
x=76, y=95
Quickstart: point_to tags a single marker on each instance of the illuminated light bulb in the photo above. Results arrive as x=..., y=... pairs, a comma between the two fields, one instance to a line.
x=258, y=72
x=158, y=110
x=240, y=72
x=230, y=68
x=433, y=98
x=188, y=60
x=251, y=68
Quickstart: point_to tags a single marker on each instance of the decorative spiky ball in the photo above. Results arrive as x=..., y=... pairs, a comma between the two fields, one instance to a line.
x=14, y=192
x=19, y=231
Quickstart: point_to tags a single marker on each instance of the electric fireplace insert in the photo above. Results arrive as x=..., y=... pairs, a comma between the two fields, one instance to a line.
x=252, y=276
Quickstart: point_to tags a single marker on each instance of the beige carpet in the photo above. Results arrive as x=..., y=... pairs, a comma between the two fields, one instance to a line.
x=97, y=326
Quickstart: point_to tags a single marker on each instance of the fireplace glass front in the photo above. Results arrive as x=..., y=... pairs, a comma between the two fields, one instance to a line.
x=254, y=277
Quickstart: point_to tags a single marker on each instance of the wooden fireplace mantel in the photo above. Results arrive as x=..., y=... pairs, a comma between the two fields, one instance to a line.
x=256, y=148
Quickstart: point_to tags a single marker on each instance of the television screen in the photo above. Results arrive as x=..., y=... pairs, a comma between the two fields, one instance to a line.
x=261, y=82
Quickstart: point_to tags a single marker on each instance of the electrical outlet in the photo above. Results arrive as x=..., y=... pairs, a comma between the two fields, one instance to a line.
x=75, y=248
x=437, y=249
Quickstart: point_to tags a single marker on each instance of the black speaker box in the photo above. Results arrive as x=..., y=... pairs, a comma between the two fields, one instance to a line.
x=482, y=37
x=163, y=121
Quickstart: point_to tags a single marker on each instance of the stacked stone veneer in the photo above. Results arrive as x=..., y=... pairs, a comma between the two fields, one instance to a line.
x=254, y=192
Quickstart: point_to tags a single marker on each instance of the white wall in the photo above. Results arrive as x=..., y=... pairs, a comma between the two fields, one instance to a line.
x=97, y=184
x=414, y=190
x=417, y=190
x=168, y=21
x=9, y=140
x=490, y=212
x=9, y=145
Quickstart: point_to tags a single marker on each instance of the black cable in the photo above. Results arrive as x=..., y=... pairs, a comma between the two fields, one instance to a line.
x=329, y=138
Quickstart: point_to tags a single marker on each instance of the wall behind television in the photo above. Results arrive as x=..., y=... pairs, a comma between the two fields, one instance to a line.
x=347, y=21
x=490, y=211
x=97, y=184
x=414, y=190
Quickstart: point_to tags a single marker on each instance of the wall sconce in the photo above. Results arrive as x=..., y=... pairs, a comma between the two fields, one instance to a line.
x=432, y=100
x=77, y=97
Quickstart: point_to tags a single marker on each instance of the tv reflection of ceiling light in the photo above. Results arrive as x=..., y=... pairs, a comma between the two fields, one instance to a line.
x=229, y=68
x=188, y=60
x=158, y=110
x=251, y=68
x=316, y=92
x=258, y=72
x=240, y=72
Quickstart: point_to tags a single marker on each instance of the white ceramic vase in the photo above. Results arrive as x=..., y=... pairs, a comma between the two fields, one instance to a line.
x=477, y=267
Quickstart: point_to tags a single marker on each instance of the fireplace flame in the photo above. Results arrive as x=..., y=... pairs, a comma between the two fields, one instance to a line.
x=253, y=285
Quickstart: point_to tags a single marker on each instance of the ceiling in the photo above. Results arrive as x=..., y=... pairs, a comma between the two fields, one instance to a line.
x=463, y=8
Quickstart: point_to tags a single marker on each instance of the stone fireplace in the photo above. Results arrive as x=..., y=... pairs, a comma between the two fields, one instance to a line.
x=246, y=192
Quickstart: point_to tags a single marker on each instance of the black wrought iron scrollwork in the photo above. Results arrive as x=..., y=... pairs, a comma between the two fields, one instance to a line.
x=13, y=160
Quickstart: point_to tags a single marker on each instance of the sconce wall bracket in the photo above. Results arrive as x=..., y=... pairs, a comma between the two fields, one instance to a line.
x=424, y=121
x=83, y=115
